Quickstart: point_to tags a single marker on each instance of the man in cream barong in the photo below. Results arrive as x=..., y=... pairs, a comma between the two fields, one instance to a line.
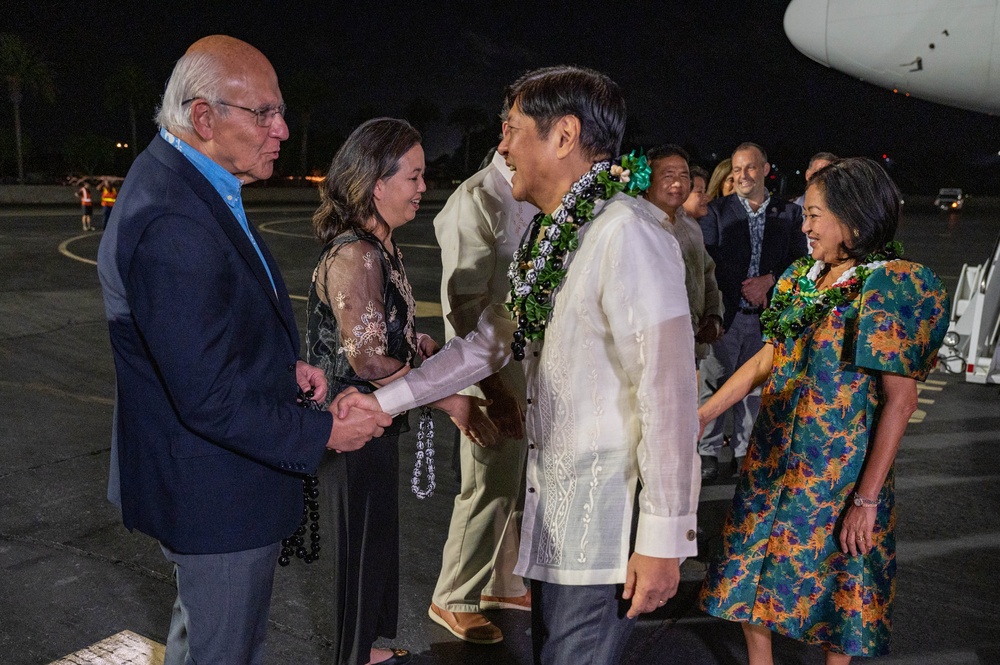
x=611, y=390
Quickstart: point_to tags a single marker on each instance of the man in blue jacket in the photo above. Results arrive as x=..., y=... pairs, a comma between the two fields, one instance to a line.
x=209, y=442
x=752, y=237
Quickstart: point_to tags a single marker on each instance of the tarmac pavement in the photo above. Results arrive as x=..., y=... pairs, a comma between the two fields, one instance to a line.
x=71, y=575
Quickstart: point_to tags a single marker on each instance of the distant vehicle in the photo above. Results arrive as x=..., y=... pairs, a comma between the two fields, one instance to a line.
x=950, y=198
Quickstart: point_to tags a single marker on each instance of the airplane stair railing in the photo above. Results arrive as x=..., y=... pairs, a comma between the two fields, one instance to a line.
x=970, y=346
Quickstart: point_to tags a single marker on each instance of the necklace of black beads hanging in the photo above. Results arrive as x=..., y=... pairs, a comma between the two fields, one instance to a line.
x=295, y=545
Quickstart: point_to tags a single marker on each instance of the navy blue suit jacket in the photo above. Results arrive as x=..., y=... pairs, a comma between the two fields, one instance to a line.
x=210, y=442
x=727, y=238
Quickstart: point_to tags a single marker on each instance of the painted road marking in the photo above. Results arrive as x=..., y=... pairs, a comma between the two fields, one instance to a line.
x=36, y=386
x=930, y=385
x=266, y=228
x=425, y=308
x=124, y=648
x=64, y=248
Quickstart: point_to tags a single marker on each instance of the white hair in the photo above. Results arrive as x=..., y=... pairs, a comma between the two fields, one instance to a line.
x=196, y=75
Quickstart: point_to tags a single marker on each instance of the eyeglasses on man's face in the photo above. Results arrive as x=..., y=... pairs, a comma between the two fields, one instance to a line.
x=264, y=116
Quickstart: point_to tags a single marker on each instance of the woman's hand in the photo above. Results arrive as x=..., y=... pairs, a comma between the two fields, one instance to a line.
x=426, y=346
x=856, y=530
x=703, y=421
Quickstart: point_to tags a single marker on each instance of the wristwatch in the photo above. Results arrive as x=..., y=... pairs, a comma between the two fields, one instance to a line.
x=862, y=502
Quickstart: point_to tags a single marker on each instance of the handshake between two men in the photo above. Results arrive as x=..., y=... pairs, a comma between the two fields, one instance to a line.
x=358, y=417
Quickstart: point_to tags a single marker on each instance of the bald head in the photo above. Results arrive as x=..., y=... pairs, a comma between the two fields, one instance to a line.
x=210, y=69
x=223, y=100
x=232, y=55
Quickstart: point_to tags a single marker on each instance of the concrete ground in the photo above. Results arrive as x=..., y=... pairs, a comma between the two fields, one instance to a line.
x=71, y=575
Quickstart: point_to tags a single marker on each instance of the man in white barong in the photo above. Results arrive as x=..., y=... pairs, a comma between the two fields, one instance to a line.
x=611, y=392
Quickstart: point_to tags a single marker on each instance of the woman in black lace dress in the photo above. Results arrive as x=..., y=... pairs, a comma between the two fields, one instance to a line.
x=361, y=333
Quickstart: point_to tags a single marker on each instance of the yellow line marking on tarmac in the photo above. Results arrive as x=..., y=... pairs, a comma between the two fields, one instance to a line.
x=56, y=392
x=266, y=228
x=64, y=249
x=124, y=648
x=425, y=308
x=931, y=385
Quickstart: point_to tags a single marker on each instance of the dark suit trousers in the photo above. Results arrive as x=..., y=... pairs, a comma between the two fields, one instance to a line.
x=223, y=601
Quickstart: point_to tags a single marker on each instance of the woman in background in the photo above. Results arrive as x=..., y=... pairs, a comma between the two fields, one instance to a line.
x=722, y=182
x=808, y=544
x=361, y=333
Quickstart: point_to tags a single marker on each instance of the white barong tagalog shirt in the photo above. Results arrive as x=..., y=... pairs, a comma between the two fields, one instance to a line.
x=612, y=400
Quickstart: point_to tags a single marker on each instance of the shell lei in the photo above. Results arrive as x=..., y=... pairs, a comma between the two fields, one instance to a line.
x=813, y=304
x=425, y=452
x=538, y=267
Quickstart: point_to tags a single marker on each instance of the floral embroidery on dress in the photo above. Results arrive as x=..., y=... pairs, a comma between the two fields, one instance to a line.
x=349, y=346
x=400, y=282
x=357, y=312
x=371, y=333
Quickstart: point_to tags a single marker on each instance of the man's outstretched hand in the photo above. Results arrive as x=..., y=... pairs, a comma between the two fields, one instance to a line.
x=357, y=418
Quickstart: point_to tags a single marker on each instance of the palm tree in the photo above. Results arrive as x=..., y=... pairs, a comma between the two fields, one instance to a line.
x=23, y=70
x=469, y=119
x=128, y=86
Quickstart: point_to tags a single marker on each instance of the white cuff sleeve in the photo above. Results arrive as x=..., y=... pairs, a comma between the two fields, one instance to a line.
x=667, y=537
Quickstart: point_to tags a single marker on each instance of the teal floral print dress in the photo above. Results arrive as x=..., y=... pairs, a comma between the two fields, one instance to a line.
x=781, y=565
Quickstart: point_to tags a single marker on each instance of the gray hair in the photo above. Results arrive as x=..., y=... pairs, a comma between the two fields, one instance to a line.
x=196, y=75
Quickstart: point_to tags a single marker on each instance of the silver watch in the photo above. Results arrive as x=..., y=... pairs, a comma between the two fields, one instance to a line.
x=862, y=502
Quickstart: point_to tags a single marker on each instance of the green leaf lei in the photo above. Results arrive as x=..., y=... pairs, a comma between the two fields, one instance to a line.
x=538, y=267
x=793, y=310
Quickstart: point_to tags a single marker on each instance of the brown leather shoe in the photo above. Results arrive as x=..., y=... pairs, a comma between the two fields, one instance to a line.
x=469, y=626
x=522, y=603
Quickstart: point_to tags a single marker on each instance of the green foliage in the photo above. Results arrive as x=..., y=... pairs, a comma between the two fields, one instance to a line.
x=793, y=310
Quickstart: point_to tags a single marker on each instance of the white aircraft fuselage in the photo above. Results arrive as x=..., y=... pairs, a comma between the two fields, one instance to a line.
x=945, y=51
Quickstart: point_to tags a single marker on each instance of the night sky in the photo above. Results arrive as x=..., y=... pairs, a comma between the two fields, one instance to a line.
x=706, y=74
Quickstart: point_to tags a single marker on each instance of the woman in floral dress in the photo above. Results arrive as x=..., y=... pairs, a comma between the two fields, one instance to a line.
x=361, y=333
x=808, y=545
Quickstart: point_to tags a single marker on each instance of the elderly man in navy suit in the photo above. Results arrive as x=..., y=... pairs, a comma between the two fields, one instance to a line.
x=208, y=441
x=752, y=237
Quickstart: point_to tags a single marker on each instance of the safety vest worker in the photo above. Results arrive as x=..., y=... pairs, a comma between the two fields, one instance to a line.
x=85, y=196
x=108, y=196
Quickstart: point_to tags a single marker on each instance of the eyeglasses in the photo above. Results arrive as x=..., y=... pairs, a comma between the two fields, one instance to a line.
x=264, y=116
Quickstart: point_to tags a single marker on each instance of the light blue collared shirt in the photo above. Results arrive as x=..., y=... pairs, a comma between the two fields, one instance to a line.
x=756, y=220
x=225, y=183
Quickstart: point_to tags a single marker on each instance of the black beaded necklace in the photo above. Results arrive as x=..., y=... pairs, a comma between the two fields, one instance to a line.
x=296, y=543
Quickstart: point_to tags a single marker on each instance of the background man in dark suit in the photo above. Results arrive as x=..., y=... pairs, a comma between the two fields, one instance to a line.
x=753, y=237
x=209, y=442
